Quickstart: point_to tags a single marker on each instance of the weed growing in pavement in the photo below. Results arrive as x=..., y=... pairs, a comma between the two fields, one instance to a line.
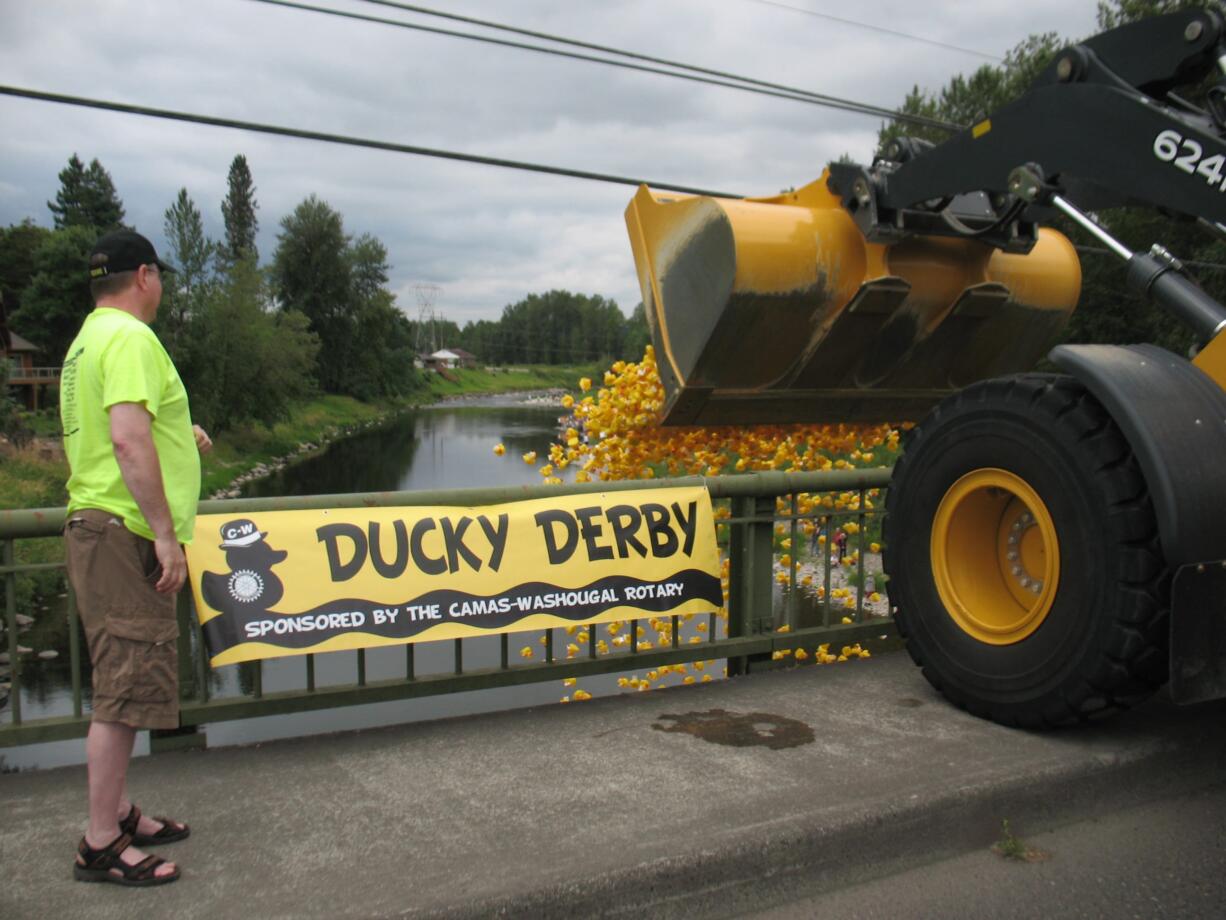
x=1010, y=846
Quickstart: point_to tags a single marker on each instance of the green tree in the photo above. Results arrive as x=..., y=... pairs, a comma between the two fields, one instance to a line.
x=638, y=334
x=18, y=244
x=384, y=364
x=86, y=198
x=8, y=407
x=238, y=211
x=381, y=359
x=11, y=424
x=191, y=252
x=245, y=362
x=368, y=266
x=312, y=273
x=560, y=327
x=339, y=284
x=57, y=299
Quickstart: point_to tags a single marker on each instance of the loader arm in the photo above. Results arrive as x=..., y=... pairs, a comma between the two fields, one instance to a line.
x=1100, y=123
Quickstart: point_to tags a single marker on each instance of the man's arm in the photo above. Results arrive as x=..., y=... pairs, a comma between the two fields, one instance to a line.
x=132, y=438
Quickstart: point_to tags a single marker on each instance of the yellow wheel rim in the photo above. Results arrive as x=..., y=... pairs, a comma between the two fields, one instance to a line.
x=995, y=556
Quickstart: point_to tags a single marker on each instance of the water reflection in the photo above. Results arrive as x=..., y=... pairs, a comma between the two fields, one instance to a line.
x=450, y=446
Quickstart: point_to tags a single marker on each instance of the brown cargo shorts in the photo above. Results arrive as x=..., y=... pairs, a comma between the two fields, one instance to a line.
x=130, y=628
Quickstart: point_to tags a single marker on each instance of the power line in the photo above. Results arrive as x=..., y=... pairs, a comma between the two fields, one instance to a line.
x=715, y=78
x=876, y=28
x=634, y=55
x=261, y=128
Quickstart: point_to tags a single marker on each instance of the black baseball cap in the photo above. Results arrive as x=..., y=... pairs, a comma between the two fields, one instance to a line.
x=122, y=251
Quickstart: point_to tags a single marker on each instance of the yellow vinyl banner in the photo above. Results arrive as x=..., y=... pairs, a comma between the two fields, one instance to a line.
x=291, y=582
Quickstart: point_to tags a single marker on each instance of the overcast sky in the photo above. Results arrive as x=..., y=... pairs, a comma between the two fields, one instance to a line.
x=486, y=236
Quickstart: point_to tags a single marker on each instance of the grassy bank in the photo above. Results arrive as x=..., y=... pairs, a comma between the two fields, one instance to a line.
x=312, y=423
x=32, y=479
x=510, y=379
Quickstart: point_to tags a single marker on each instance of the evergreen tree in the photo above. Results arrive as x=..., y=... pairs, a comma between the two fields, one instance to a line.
x=18, y=244
x=191, y=253
x=190, y=250
x=238, y=211
x=86, y=198
x=57, y=299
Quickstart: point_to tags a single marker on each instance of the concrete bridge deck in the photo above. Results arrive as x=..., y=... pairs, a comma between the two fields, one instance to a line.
x=591, y=809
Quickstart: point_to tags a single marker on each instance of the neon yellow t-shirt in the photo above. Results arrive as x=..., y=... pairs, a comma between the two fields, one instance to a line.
x=116, y=358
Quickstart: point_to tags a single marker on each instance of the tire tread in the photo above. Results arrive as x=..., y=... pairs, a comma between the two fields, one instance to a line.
x=1132, y=660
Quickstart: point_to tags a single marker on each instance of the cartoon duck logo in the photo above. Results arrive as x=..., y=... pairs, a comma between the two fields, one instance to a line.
x=251, y=582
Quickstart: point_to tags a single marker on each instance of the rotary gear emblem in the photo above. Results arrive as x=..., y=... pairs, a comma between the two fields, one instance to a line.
x=245, y=586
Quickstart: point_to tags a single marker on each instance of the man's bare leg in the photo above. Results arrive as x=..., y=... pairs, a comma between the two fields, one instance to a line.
x=108, y=749
x=147, y=824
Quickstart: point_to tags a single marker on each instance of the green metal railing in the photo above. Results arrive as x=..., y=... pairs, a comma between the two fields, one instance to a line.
x=750, y=519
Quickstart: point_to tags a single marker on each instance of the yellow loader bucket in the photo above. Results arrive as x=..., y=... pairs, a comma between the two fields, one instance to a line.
x=774, y=310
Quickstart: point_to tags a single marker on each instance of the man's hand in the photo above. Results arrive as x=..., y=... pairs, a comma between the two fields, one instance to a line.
x=174, y=565
x=203, y=442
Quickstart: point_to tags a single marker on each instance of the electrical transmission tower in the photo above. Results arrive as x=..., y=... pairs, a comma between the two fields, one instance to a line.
x=427, y=320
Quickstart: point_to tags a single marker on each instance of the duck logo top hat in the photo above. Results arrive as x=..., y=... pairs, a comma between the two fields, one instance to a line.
x=239, y=533
x=123, y=251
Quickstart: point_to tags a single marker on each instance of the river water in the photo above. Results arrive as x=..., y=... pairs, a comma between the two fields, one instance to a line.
x=446, y=446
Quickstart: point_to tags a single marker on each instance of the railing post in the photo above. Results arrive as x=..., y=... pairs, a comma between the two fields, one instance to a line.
x=185, y=737
x=10, y=619
x=74, y=648
x=187, y=664
x=750, y=590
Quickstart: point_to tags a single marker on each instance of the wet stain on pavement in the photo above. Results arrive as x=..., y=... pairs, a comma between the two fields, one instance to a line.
x=737, y=729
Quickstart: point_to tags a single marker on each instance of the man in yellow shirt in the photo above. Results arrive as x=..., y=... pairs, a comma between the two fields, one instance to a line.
x=134, y=481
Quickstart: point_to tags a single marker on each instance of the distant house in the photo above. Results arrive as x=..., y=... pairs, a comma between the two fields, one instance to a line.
x=450, y=358
x=467, y=358
x=24, y=377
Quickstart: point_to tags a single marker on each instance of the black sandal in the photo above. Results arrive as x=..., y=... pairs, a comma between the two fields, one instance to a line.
x=102, y=865
x=169, y=832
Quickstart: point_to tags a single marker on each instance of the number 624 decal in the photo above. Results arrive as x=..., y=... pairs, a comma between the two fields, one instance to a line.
x=1185, y=153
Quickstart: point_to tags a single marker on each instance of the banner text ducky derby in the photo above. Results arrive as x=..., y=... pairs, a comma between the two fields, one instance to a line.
x=289, y=582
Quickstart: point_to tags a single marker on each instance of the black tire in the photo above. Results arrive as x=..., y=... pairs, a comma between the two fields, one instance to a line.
x=1102, y=642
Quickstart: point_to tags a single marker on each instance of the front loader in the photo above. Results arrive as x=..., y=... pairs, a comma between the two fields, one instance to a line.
x=1055, y=543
